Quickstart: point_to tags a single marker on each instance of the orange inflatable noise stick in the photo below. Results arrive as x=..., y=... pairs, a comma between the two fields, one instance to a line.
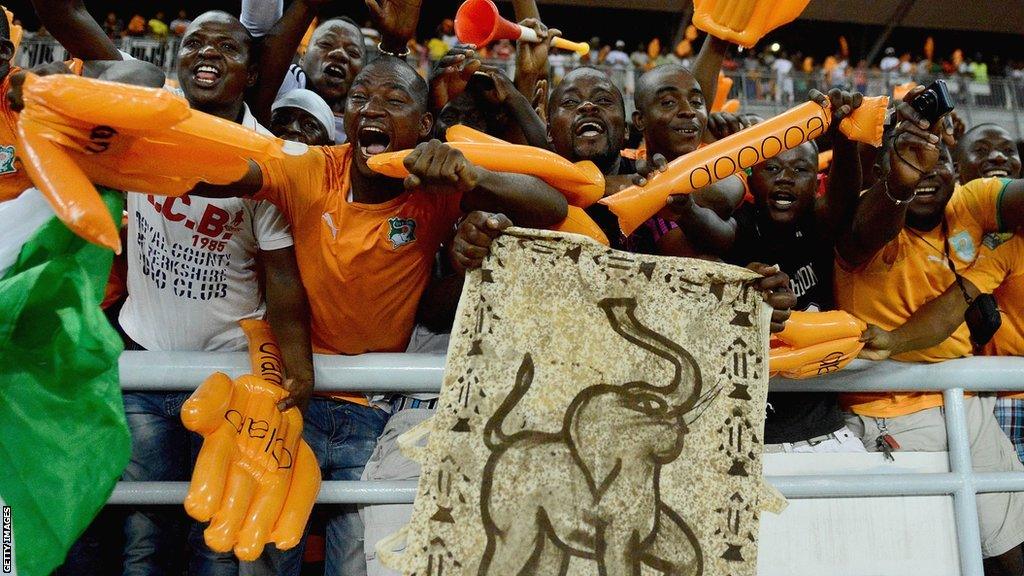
x=744, y=22
x=816, y=360
x=478, y=22
x=824, y=160
x=256, y=479
x=815, y=343
x=463, y=133
x=577, y=222
x=808, y=328
x=742, y=150
x=722, y=93
x=581, y=183
x=901, y=90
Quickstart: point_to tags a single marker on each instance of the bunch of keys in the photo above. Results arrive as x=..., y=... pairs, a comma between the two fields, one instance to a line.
x=886, y=444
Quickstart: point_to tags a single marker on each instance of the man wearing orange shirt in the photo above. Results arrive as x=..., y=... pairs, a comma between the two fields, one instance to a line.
x=986, y=150
x=365, y=243
x=910, y=227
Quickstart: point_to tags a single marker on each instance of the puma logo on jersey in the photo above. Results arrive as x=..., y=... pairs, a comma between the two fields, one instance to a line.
x=330, y=224
x=7, y=158
x=401, y=231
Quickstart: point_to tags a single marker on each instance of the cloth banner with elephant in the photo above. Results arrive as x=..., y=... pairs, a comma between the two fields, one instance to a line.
x=601, y=413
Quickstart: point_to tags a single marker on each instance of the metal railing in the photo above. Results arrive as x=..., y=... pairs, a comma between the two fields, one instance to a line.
x=179, y=371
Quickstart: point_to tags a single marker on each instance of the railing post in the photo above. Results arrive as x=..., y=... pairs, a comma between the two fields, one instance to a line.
x=965, y=506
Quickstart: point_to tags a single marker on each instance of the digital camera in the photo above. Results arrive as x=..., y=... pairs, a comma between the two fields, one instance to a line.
x=934, y=102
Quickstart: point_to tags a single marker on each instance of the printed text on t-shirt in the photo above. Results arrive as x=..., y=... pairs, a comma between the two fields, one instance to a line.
x=197, y=270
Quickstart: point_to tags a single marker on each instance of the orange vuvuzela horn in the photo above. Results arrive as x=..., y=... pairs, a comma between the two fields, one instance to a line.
x=577, y=222
x=742, y=150
x=581, y=183
x=478, y=22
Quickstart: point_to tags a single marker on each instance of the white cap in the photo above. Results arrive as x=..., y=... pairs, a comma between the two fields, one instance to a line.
x=311, y=102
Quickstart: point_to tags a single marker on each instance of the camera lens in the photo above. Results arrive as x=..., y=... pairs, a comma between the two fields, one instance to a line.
x=927, y=103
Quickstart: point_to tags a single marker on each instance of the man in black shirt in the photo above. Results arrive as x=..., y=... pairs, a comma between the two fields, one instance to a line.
x=790, y=226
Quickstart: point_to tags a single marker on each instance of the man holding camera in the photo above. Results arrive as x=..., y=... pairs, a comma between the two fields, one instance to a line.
x=912, y=229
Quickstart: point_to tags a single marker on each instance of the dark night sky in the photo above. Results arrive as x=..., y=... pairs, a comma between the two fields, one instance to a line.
x=813, y=38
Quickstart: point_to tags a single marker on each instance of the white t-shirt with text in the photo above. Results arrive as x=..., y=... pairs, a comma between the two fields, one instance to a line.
x=192, y=267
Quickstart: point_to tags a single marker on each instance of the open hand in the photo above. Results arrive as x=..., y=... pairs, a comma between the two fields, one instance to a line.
x=396, y=20
x=843, y=103
x=451, y=74
x=724, y=124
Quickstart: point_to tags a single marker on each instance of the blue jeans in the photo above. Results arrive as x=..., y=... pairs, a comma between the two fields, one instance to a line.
x=164, y=450
x=343, y=436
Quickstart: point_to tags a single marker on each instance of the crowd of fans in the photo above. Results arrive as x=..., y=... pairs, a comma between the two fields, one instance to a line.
x=342, y=260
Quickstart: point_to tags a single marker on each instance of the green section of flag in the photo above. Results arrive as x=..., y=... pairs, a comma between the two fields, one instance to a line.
x=64, y=440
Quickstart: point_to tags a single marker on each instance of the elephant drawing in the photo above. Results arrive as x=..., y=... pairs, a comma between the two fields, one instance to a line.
x=591, y=490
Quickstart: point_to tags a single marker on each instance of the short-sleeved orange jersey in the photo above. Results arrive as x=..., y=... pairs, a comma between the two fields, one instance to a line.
x=910, y=271
x=364, y=266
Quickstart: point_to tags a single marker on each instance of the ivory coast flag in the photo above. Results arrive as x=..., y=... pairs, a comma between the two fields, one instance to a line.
x=63, y=437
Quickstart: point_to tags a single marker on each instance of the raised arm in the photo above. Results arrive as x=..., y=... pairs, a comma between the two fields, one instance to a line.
x=277, y=51
x=396, y=20
x=524, y=126
x=72, y=25
x=288, y=315
x=259, y=16
x=526, y=200
x=708, y=65
x=882, y=210
x=525, y=9
x=836, y=208
x=532, y=58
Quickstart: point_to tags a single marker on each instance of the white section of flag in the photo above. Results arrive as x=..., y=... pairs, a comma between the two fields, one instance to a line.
x=20, y=218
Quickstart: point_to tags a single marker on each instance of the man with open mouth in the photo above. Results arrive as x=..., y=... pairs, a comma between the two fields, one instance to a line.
x=192, y=275
x=987, y=151
x=334, y=56
x=366, y=242
x=788, y=225
x=171, y=304
x=911, y=230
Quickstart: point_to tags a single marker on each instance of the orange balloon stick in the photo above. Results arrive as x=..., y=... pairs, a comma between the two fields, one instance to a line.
x=747, y=148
